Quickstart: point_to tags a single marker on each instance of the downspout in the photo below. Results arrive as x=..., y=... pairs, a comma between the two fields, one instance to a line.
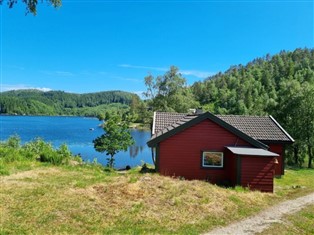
x=152, y=133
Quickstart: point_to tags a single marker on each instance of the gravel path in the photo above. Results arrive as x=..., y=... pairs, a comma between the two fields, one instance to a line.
x=263, y=220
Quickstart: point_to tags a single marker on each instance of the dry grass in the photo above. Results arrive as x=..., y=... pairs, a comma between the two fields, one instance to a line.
x=82, y=200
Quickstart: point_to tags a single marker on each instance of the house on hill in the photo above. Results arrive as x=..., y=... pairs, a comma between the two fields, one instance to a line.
x=223, y=149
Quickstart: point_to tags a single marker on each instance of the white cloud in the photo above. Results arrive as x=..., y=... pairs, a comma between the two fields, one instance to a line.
x=58, y=73
x=9, y=87
x=194, y=73
x=129, y=79
x=64, y=73
x=142, y=67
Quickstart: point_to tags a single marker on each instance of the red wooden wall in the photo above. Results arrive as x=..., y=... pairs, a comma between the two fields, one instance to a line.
x=278, y=148
x=180, y=155
x=257, y=173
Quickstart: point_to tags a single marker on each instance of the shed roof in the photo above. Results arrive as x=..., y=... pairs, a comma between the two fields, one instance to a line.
x=252, y=152
x=261, y=128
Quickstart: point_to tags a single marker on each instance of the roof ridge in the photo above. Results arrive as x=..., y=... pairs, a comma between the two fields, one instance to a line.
x=238, y=115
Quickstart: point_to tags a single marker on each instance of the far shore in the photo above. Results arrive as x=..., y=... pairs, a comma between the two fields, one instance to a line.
x=39, y=115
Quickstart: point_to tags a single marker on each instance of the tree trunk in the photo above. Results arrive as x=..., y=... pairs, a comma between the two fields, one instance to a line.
x=310, y=156
x=296, y=155
x=111, y=160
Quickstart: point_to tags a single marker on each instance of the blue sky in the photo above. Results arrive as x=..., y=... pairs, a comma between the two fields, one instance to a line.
x=89, y=46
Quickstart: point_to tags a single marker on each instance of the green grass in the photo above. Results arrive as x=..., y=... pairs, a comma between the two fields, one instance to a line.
x=296, y=182
x=86, y=199
x=299, y=223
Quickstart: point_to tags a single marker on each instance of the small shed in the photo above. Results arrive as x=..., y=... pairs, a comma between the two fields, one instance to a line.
x=209, y=148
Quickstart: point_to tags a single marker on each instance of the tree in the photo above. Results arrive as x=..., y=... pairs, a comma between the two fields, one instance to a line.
x=297, y=112
x=305, y=112
x=31, y=5
x=169, y=92
x=116, y=138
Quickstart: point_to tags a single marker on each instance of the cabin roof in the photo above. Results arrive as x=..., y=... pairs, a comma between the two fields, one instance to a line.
x=254, y=129
x=263, y=128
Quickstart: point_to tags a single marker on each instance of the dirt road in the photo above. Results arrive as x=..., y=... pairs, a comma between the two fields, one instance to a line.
x=264, y=219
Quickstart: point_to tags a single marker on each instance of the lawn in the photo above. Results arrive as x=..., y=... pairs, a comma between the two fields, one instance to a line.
x=295, y=183
x=86, y=199
x=299, y=223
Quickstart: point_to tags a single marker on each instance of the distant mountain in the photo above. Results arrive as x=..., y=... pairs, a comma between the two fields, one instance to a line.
x=36, y=102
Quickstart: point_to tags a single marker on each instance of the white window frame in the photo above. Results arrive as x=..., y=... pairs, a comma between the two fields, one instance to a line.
x=213, y=166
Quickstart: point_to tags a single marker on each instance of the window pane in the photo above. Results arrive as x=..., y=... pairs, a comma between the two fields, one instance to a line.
x=212, y=159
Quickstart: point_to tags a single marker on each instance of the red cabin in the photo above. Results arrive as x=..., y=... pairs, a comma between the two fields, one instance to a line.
x=223, y=149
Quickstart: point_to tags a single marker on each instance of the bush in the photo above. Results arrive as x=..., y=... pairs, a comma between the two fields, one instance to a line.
x=14, y=142
x=33, y=149
x=56, y=157
x=11, y=151
x=51, y=157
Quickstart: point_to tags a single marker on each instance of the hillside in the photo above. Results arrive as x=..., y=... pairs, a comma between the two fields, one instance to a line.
x=35, y=102
x=258, y=88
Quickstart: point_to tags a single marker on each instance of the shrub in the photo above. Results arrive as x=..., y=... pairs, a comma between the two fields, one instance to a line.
x=34, y=148
x=56, y=157
x=14, y=142
x=38, y=149
x=64, y=153
x=51, y=157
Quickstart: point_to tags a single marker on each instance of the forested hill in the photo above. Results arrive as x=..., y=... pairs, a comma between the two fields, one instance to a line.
x=260, y=87
x=35, y=102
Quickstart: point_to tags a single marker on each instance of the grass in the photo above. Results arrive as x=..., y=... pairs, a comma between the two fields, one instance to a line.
x=299, y=223
x=86, y=199
x=295, y=183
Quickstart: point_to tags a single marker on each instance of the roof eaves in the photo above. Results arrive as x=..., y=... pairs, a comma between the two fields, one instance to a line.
x=169, y=131
x=281, y=128
x=154, y=123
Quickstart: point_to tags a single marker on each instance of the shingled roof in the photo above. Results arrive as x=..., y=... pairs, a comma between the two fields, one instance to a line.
x=265, y=129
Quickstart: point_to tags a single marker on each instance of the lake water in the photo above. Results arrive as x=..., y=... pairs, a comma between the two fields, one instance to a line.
x=77, y=133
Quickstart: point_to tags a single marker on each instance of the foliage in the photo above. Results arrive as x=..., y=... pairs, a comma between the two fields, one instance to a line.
x=297, y=113
x=56, y=157
x=12, y=151
x=116, y=138
x=169, y=92
x=255, y=88
x=31, y=5
x=34, y=102
x=139, y=111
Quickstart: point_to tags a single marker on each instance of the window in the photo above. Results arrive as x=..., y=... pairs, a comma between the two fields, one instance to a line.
x=212, y=159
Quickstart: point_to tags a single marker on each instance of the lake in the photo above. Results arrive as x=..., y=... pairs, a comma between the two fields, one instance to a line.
x=78, y=134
